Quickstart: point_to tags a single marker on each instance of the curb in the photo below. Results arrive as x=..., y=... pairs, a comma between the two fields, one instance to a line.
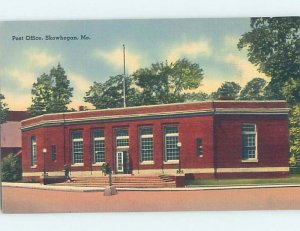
x=101, y=189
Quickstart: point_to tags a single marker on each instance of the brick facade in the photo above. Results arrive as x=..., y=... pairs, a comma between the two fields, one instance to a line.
x=218, y=124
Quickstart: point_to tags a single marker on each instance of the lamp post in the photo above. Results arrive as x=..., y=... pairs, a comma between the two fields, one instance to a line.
x=179, y=166
x=44, y=152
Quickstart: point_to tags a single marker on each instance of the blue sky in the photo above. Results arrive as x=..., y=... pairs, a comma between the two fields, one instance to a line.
x=209, y=42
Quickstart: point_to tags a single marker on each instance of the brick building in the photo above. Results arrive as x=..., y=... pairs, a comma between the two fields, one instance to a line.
x=222, y=139
x=10, y=141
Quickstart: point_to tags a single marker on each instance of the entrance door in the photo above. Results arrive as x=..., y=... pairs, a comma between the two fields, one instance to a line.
x=120, y=162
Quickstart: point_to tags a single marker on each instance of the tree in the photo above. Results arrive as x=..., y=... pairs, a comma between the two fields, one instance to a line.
x=273, y=44
x=295, y=132
x=291, y=90
x=228, y=90
x=110, y=93
x=165, y=83
x=51, y=93
x=11, y=168
x=3, y=109
x=61, y=90
x=254, y=90
x=199, y=96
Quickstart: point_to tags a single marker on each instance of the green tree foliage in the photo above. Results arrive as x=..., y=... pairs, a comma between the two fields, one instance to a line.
x=295, y=131
x=164, y=83
x=51, y=93
x=254, y=90
x=199, y=96
x=227, y=91
x=273, y=45
x=3, y=109
x=291, y=90
x=11, y=169
x=110, y=93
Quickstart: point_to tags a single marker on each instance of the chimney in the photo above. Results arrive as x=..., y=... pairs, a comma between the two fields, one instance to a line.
x=81, y=108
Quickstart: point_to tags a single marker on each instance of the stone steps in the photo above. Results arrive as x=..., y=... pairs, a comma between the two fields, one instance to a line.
x=122, y=182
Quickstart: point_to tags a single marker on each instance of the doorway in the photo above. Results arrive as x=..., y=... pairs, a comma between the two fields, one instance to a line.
x=122, y=162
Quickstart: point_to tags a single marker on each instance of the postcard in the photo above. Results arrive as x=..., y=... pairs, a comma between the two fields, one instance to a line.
x=150, y=115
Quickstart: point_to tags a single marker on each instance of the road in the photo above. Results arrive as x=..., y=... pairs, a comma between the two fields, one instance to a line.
x=24, y=200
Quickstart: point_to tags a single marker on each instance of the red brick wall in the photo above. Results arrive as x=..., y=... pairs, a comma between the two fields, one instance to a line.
x=221, y=135
x=272, y=140
x=189, y=130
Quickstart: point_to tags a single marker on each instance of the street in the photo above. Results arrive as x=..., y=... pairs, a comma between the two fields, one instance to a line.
x=24, y=200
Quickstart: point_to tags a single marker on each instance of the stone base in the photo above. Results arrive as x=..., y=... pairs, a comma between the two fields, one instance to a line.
x=110, y=191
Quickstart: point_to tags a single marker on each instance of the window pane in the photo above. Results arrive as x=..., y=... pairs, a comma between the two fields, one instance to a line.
x=171, y=140
x=248, y=128
x=146, y=131
x=171, y=129
x=77, y=145
x=146, y=144
x=98, y=133
x=122, y=132
x=99, y=146
x=53, y=152
x=122, y=139
x=199, y=147
x=33, y=151
x=122, y=142
x=249, y=141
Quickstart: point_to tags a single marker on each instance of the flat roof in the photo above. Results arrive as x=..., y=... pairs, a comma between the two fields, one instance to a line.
x=161, y=111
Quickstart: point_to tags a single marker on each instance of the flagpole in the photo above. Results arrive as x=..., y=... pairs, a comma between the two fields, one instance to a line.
x=124, y=89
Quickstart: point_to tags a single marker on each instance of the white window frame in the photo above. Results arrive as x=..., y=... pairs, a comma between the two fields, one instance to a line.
x=102, y=138
x=141, y=145
x=77, y=140
x=122, y=138
x=174, y=134
x=255, y=158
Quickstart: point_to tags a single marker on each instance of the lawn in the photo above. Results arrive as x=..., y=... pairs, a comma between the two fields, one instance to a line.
x=293, y=179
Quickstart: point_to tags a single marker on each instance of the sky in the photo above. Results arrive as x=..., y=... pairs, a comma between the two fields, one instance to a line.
x=212, y=43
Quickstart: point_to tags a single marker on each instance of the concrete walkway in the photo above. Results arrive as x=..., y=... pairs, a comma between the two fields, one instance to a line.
x=100, y=189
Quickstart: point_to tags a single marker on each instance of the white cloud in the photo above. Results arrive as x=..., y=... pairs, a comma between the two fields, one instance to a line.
x=191, y=49
x=115, y=59
x=17, y=102
x=247, y=71
x=42, y=58
x=81, y=85
x=209, y=84
x=23, y=79
x=231, y=42
x=79, y=82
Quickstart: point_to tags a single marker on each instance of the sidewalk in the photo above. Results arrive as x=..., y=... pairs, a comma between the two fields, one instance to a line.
x=100, y=189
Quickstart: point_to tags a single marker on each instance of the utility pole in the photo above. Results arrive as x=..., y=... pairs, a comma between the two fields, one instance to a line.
x=124, y=83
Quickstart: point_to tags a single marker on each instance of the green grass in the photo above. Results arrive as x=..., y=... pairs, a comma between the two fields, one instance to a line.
x=293, y=179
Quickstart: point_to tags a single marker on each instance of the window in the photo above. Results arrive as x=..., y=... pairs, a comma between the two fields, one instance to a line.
x=53, y=148
x=122, y=138
x=33, y=151
x=77, y=147
x=171, y=140
x=146, y=134
x=199, y=147
x=99, y=146
x=249, y=141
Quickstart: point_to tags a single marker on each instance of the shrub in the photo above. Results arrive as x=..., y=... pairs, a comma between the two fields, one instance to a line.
x=11, y=168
